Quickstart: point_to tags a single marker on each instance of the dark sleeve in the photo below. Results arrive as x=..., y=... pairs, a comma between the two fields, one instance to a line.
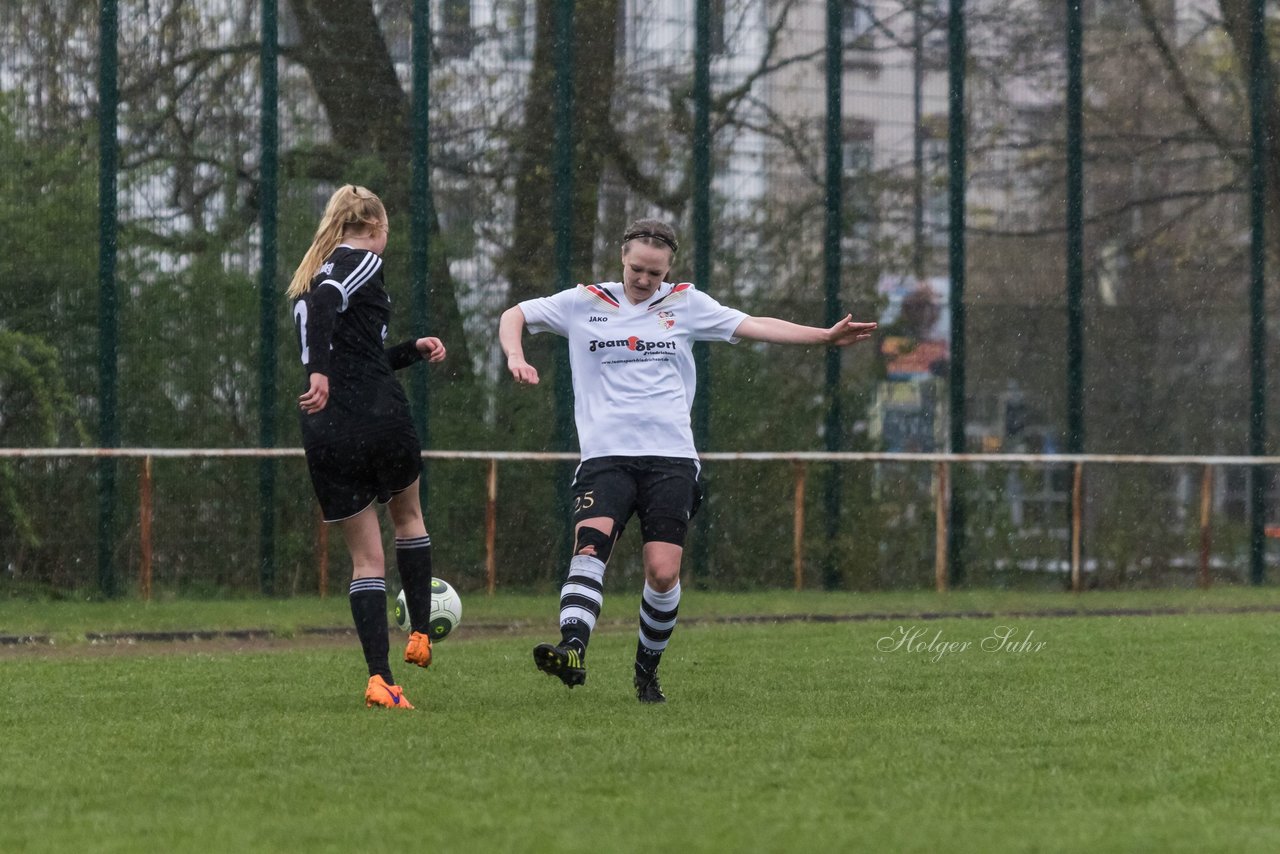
x=322, y=316
x=404, y=354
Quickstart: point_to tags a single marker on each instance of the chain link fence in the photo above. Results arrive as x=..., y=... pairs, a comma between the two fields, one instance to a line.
x=1166, y=274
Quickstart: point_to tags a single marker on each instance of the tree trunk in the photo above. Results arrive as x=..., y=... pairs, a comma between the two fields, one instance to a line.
x=530, y=263
x=526, y=416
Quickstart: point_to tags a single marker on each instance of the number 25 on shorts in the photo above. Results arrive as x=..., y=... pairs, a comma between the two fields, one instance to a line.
x=585, y=501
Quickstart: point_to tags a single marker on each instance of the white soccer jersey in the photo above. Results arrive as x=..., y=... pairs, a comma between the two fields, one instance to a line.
x=633, y=373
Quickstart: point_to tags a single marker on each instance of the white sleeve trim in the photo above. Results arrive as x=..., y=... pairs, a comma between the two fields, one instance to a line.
x=334, y=282
x=363, y=272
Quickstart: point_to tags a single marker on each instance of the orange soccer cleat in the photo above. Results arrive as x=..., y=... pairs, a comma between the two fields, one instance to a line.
x=419, y=650
x=379, y=693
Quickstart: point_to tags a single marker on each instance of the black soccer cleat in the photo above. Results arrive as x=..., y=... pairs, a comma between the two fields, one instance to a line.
x=561, y=661
x=647, y=688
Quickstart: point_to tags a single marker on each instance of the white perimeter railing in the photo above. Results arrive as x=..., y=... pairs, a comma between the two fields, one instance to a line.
x=799, y=459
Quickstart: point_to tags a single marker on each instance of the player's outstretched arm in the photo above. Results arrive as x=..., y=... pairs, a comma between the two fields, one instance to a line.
x=412, y=351
x=510, y=331
x=775, y=331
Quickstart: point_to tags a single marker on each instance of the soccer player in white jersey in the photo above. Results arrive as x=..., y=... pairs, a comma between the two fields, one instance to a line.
x=631, y=356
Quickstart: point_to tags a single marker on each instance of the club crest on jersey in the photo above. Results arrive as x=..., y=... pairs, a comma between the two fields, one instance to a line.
x=666, y=319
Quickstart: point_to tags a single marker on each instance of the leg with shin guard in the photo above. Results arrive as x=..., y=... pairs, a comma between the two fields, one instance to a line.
x=580, y=601
x=583, y=592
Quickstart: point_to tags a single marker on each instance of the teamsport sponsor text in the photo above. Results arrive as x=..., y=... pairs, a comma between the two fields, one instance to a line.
x=633, y=343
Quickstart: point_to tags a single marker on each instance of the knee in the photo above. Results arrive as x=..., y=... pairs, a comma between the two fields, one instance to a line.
x=407, y=520
x=663, y=579
x=592, y=542
x=664, y=529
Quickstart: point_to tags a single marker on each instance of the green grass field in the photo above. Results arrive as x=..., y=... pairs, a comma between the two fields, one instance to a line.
x=1117, y=733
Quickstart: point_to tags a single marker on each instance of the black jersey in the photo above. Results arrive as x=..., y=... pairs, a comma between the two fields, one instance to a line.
x=342, y=324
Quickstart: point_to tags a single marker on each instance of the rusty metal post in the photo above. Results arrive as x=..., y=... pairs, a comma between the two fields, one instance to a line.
x=1077, y=515
x=144, y=518
x=797, y=545
x=941, y=508
x=1206, y=530
x=491, y=529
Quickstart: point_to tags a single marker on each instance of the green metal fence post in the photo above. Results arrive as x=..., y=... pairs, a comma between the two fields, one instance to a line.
x=1075, y=246
x=833, y=492
x=957, y=183
x=267, y=295
x=917, y=139
x=420, y=205
x=700, y=553
x=1258, y=89
x=1075, y=228
x=562, y=216
x=108, y=323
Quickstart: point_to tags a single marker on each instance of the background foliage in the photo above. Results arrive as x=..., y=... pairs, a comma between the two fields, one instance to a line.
x=1166, y=244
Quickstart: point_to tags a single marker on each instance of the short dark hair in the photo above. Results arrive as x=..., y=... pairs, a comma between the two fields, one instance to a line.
x=651, y=232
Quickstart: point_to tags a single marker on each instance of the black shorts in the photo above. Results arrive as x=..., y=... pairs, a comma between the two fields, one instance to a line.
x=350, y=474
x=650, y=487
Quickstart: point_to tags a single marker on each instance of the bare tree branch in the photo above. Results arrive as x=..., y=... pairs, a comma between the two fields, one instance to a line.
x=1113, y=212
x=1183, y=86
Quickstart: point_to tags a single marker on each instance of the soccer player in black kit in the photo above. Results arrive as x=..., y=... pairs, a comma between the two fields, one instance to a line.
x=359, y=438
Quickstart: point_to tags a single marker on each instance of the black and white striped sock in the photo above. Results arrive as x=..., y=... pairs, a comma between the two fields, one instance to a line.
x=369, y=611
x=657, y=622
x=413, y=561
x=580, y=600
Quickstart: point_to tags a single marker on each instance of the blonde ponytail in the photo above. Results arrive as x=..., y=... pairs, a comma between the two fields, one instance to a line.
x=351, y=210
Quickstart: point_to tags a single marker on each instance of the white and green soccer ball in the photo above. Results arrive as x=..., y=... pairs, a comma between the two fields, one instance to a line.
x=446, y=610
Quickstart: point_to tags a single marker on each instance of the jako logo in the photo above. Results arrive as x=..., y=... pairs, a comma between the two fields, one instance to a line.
x=634, y=343
x=597, y=318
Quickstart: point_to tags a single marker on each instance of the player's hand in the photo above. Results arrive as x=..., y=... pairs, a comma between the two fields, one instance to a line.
x=846, y=332
x=432, y=349
x=522, y=371
x=317, y=396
